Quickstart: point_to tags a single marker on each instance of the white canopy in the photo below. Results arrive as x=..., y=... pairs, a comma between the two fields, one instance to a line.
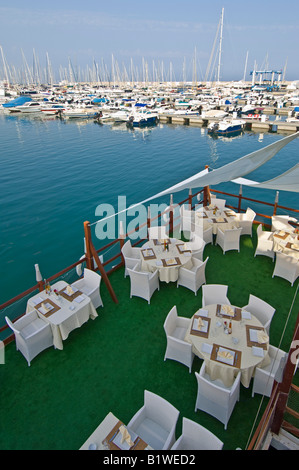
x=288, y=181
x=231, y=171
x=235, y=170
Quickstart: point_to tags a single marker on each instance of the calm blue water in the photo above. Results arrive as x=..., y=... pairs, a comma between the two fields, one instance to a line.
x=53, y=175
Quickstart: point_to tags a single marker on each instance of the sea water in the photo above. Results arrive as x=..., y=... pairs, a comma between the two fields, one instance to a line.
x=55, y=173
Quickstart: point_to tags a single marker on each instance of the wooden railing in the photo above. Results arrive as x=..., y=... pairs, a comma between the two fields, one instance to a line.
x=93, y=254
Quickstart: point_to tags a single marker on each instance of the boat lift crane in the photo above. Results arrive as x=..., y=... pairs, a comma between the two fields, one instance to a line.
x=271, y=78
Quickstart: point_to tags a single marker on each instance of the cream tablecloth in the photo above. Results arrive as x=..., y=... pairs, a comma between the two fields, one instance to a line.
x=287, y=243
x=170, y=272
x=237, y=340
x=70, y=315
x=207, y=218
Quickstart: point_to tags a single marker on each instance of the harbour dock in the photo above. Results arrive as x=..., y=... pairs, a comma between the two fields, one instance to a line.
x=251, y=124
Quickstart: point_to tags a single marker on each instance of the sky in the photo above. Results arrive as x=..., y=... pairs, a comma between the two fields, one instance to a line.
x=168, y=39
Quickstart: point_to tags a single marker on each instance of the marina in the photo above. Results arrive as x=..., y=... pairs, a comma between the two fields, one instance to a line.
x=149, y=232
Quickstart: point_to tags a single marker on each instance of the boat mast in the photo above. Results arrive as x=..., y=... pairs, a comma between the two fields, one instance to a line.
x=4, y=66
x=245, y=68
x=220, y=45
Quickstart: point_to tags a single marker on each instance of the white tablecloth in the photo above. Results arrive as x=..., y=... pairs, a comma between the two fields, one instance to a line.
x=237, y=340
x=224, y=219
x=283, y=242
x=168, y=273
x=71, y=315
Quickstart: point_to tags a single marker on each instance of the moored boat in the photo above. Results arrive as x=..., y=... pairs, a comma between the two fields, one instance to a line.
x=226, y=126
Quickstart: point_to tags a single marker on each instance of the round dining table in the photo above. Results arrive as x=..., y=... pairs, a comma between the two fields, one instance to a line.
x=287, y=243
x=211, y=216
x=166, y=261
x=226, y=353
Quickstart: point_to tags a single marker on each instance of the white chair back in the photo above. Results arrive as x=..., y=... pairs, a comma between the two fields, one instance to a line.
x=286, y=267
x=214, y=294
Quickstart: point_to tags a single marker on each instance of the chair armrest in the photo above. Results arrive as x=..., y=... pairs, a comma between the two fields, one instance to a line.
x=137, y=419
x=183, y=322
x=170, y=439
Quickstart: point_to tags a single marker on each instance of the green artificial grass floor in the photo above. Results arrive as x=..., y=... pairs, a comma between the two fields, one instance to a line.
x=106, y=365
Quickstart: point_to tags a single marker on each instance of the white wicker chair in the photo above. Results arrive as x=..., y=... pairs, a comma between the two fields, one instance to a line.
x=214, y=398
x=264, y=243
x=214, y=294
x=90, y=286
x=197, y=246
x=143, y=284
x=264, y=376
x=281, y=222
x=196, y=437
x=131, y=256
x=261, y=310
x=245, y=221
x=177, y=349
x=32, y=334
x=157, y=233
x=286, y=267
x=229, y=239
x=155, y=422
x=195, y=277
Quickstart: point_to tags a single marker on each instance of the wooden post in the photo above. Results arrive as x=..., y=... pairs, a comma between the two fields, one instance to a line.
x=285, y=385
x=91, y=253
x=276, y=202
x=206, y=193
x=148, y=217
x=103, y=273
x=121, y=237
x=89, y=260
x=240, y=199
x=171, y=215
x=190, y=199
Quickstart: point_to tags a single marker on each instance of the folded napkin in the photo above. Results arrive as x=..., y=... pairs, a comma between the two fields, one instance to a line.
x=69, y=290
x=125, y=436
x=262, y=337
x=171, y=261
x=295, y=246
x=227, y=310
x=281, y=233
x=220, y=219
x=44, y=306
x=225, y=354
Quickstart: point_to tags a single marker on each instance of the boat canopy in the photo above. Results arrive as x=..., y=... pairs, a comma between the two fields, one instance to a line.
x=17, y=102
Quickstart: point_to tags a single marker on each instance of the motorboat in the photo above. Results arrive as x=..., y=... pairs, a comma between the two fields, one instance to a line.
x=79, y=113
x=54, y=109
x=142, y=118
x=226, y=126
x=28, y=107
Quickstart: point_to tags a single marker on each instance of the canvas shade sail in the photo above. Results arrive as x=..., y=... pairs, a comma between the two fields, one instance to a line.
x=231, y=172
x=288, y=181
